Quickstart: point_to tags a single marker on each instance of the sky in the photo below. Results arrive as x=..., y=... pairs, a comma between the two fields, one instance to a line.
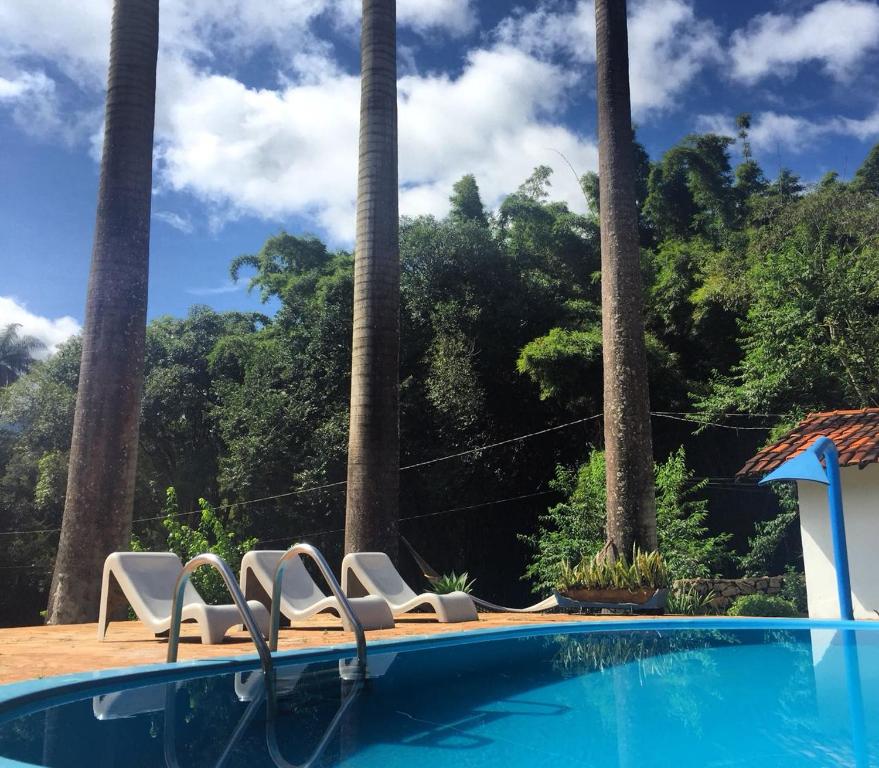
x=257, y=106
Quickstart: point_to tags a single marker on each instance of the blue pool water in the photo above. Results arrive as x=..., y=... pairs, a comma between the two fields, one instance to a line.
x=774, y=696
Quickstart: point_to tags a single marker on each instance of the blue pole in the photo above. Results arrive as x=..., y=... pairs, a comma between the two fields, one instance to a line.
x=824, y=446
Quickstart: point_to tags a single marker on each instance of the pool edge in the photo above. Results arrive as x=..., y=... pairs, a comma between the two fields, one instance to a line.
x=23, y=694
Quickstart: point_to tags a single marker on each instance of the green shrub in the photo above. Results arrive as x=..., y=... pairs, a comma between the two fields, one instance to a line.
x=573, y=530
x=762, y=605
x=211, y=534
x=794, y=589
x=689, y=602
x=647, y=569
x=452, y=582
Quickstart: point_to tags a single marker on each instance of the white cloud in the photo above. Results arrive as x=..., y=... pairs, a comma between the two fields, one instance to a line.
x=835, y=33
x=795, y=133
x=273, y=153
x=453, y=17
x=456, y=17
x=669, y=47
x=175, y=220
x=32, y=98
x=51, y=332
x=668, y=44
x=227, y=287
x=76, y=41
x=552, y=28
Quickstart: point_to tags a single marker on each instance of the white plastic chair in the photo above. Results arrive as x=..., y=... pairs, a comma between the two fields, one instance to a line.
x=300, y=595
x=147, y=579
x=130, y=702
x=375, y=574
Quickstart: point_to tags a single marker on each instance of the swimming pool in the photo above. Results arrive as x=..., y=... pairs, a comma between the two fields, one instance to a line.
x=657, y=693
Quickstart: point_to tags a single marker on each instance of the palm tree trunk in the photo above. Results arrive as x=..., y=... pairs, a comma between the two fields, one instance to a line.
x=103, y=454
x=374, y=437
x=631, y=508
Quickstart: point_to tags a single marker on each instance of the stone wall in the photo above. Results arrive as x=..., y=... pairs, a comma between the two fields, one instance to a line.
x=727, y=590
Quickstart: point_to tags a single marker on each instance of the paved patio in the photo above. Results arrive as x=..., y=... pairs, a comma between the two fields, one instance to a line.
x=35, y=652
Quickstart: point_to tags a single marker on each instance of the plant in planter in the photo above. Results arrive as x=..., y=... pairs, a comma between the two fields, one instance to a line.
x=601, y=580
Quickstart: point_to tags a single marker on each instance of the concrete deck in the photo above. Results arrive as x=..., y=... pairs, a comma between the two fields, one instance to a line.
x=28, y=653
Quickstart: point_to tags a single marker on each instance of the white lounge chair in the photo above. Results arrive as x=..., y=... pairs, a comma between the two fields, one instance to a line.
x=131, y=702
x=147, y=579
x=373, y=573
x=300, y=595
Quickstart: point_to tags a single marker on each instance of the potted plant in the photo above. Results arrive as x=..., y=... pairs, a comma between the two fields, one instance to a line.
x=613, y=581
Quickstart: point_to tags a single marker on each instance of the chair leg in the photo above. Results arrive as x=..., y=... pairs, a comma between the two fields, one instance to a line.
x=103, y=619
x=212, y=633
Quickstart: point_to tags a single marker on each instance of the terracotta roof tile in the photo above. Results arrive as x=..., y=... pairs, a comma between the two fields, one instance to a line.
x=856, y=434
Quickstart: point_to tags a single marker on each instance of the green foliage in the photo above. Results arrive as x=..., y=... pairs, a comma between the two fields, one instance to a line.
x=566, y=365
x=466, y=204
x=769, y=535
x=211, y=534
x=688, y=601
x=563, y=361
x=16, y=353
x=690, y=189
x=452, y=582
x=811, y=334
x=759, y=298
x=762, y=605
x=537, y=185
x=646, y=570
x=794, y=589
x=866, y=178
x=573, y=531
x=689, y=550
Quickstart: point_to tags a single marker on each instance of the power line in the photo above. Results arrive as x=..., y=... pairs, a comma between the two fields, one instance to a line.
x=729, y=414
x=502, y=442
x=327, y=486
x=417, y=517
x=674, y=415
x=702, y=423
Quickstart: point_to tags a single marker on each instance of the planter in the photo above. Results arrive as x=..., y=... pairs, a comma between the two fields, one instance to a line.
x=617, y=596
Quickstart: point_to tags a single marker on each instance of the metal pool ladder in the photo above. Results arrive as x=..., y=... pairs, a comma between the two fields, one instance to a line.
x=344, y=606
x=218, y=563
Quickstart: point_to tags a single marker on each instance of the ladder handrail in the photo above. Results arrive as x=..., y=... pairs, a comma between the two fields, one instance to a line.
x=272, y=735
x=277, y=588
x=218, y=563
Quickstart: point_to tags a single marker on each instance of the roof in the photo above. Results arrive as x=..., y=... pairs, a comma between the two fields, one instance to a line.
x=855, y=433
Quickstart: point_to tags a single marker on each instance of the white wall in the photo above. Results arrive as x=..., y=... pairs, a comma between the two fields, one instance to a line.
x=860, y=499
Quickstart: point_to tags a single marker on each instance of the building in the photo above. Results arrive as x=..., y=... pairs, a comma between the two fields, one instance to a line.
x=856, y=435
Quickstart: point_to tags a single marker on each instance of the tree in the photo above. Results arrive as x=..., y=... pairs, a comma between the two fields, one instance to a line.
x=690, y=189
x=787, y=186
x=103, y=454
x=574, y=528
x=16, y=353
x=810, y=338
x=631, y=507
x=374, y=438
x=743, y=125
x=466, y=202
x=866, y=178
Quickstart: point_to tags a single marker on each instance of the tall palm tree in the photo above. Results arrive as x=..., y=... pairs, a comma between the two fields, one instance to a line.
x=374, y=439
x=16, y=353
x=631, y=507
x=103, y=453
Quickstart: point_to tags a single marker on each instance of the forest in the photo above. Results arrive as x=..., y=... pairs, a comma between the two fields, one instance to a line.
x=762, y=304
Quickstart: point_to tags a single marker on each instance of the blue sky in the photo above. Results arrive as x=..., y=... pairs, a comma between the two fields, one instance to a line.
x=257, y=104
